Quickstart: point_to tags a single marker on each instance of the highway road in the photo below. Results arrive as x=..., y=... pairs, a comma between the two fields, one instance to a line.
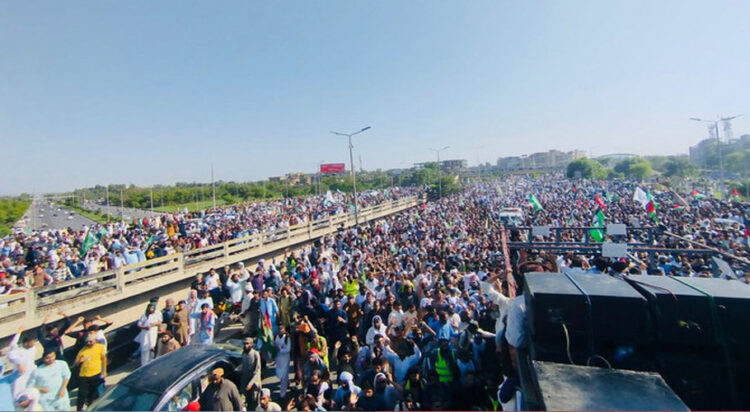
x=45, y=214
x=128, y=214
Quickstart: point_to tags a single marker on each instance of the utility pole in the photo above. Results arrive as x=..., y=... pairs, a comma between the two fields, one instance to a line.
x=107, y=196
x=440, y=171
x=354, y=172
x=213, y=187
x=151, y=197
x=320, y=175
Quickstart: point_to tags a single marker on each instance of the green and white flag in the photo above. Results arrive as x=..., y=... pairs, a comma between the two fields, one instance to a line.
x=535, y=203
x=88, y=242
x=597, y=234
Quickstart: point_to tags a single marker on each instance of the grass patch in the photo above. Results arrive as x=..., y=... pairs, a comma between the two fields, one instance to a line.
x=192, y=206
x=95, y=216
x=11, y=211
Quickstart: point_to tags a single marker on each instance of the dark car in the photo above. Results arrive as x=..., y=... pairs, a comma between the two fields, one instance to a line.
x=170, y=382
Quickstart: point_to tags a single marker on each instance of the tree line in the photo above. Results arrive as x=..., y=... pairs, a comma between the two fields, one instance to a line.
x=233, y=192
x=11, y=210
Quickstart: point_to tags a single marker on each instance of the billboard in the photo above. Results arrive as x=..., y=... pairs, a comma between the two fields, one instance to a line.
x=332, y=168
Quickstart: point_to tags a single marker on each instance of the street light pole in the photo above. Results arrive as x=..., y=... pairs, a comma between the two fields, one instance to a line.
x=440, y=172
x=213, y=187
x=354, y=173
x=107, y=196
x=320, y=175
x=718, y=147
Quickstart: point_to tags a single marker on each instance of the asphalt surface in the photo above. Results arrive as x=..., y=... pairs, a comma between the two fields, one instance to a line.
x=49, y=215
x=126, y=212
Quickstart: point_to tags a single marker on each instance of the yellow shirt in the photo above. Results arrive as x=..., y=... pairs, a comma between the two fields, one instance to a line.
x=91, y=366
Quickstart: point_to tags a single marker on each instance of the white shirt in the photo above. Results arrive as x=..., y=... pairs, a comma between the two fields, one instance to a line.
x=212, y=281
x=515, y=332
x=272, y=407
x=502, y=302
x=236, y=290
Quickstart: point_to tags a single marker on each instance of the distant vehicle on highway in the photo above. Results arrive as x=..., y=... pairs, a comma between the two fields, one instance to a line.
x=70, y=217
x=172, y=381
x=54, y=214
x=512, y=216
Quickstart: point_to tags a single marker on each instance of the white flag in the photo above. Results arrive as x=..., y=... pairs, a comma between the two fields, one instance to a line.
x=328, y=199
x=640, y=196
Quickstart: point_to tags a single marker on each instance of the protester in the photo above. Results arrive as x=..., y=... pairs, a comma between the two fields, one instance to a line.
x=250, y=380
x=166, y=344
x=51, y=380
x=22, y=358
x=220, y=394
x=265, y=404
x=148, y=323
x=283, y=344
x=206, y=322
x=92, y=360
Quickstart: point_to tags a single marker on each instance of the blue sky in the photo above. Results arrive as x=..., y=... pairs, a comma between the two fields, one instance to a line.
x=152, y=92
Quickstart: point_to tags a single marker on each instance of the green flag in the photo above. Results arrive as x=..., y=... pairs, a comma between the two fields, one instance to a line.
x=535, y=203
x=88, y=243
x=149, y=241
x=597, y=234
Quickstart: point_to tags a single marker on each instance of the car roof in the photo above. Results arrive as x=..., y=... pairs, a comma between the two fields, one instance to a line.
x=161, y=373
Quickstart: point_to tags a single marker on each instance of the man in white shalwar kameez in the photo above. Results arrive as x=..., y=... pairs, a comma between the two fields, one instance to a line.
x=149, y=324
x=283, y=345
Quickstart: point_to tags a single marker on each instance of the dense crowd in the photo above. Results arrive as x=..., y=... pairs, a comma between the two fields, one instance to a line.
x=417, y=311
x=53, y=256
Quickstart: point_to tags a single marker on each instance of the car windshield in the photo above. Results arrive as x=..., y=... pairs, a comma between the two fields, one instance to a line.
x=125, y=398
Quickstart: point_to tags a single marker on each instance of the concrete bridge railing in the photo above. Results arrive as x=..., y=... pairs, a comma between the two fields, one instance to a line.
x=83, y=294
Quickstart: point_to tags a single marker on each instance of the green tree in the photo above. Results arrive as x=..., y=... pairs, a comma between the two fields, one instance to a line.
x=634, y=167
x=679, y=167
x=640, y=170
x=586, y=169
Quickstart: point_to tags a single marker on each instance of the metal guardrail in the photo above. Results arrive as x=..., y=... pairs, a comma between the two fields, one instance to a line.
x=553, y=243
x=556, y=234
x=105, y=287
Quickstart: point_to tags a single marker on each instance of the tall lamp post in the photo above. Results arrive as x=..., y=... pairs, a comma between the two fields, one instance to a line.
x=320, y=174
x=718, y=147
x=354, y=173
x=440, y=172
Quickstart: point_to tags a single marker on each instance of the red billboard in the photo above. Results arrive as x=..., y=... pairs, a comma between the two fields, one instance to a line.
x=332, y=168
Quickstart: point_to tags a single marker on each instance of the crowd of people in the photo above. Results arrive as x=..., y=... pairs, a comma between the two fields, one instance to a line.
x=416, y=311
x=53, y=256
x=42, y=384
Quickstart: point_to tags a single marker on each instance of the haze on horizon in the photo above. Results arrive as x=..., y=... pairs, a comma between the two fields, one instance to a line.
x=152, y=93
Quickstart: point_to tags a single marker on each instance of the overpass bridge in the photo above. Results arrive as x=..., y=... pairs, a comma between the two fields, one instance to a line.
x=121, y=294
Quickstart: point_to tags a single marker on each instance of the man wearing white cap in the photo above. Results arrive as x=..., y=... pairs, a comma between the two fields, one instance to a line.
x=266, y=404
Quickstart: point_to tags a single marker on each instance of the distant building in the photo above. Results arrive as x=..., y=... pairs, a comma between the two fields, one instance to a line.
x=553, y=159
x=446, y=166
x=293, y=179
x=298, y=178
x=701, y=152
